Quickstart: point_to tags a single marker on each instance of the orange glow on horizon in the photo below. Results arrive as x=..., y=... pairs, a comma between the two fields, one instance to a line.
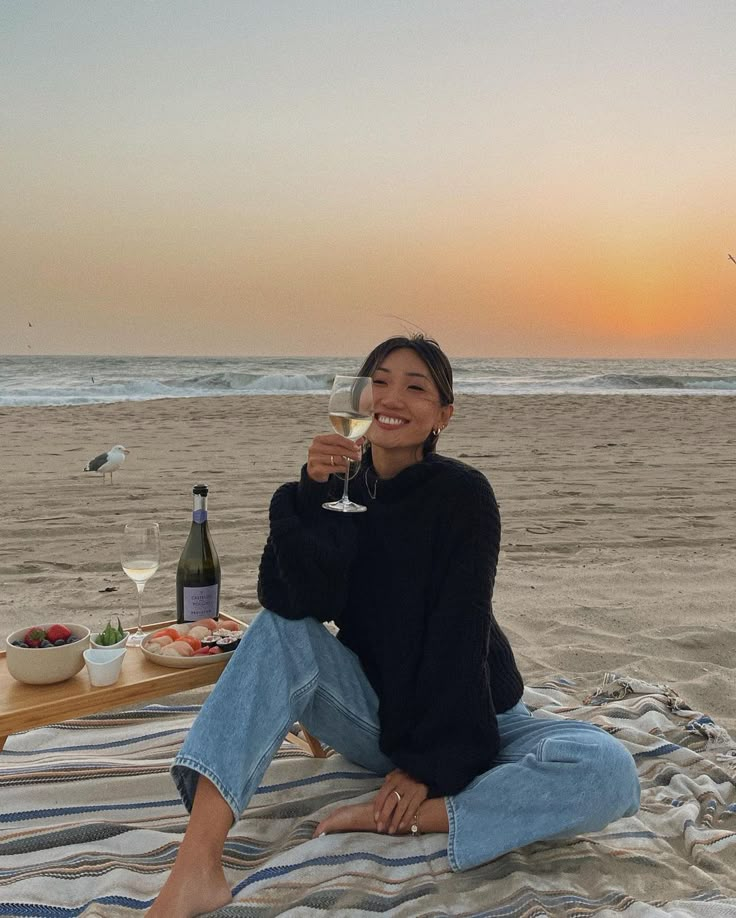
x=277, y=185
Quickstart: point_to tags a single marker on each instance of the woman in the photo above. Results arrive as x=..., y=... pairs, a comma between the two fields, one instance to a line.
x=420, y=686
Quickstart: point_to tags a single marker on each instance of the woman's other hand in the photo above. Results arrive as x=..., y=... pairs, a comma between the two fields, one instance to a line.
x=329, y=453
x=397, y=802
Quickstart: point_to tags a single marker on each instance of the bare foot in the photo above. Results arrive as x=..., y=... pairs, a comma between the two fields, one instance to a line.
x=357, y=817
x=195, y=893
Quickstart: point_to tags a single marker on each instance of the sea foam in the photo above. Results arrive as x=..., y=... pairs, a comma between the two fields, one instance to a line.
x=92, y=380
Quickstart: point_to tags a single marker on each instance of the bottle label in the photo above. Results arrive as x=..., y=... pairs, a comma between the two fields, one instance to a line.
x=200, y=602
x=199, y=516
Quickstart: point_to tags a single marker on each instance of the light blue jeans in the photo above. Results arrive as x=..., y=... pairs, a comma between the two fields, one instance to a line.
x=551, y=778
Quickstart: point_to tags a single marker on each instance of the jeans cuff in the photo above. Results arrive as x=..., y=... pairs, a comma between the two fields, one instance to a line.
x=186, y=786
x=452, y=829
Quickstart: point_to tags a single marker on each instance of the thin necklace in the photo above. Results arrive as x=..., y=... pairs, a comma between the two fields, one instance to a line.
x=371, y=494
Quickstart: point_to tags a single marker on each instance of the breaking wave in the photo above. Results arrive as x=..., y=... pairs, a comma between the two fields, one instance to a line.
x=94, y=380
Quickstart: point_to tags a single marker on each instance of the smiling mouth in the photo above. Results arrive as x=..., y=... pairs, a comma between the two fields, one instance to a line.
x=389, y=421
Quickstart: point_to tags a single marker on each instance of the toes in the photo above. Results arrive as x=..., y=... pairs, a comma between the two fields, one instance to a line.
x=322, y=828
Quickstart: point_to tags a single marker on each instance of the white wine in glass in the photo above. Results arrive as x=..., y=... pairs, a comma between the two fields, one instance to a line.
x=351, y=414
x=140, y=553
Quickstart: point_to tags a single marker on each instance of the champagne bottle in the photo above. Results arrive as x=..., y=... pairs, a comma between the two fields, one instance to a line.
x=198, y=572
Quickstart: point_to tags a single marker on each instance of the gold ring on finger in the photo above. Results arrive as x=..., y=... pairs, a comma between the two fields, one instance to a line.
x=332, y=460
x=398, y=795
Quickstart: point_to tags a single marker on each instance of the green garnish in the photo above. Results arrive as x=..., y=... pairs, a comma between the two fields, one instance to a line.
x=111, y=634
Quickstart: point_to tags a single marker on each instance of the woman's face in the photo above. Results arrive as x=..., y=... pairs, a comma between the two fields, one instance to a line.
x=406, y=403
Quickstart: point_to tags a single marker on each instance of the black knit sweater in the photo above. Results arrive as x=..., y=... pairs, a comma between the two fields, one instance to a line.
x=409, y=584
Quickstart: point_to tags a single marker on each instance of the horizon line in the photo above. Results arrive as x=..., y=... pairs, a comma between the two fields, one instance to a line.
x=356, y=356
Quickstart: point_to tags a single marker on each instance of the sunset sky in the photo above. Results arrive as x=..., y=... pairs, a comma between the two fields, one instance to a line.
x=516, y=178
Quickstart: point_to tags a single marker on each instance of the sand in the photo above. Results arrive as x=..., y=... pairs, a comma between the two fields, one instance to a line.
x=619, y=522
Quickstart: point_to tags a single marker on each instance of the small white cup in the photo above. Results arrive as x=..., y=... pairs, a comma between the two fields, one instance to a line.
x=103, y=666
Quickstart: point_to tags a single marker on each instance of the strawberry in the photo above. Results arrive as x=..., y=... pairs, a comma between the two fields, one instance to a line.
x=34, y=636
x=58, y=633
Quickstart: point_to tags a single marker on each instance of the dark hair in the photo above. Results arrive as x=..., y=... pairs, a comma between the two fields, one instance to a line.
x=433, y=356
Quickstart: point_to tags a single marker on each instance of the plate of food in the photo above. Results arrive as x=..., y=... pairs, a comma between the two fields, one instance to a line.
x=183, y=646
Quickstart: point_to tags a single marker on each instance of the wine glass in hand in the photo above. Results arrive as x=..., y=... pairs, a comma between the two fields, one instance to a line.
x=139, y=554
x=351, y=414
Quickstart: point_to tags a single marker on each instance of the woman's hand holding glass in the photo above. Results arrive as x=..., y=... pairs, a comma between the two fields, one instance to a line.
x=351, y=414
x=328, y=454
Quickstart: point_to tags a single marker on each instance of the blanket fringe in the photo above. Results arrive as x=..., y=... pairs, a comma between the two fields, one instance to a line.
x=718, y=740
x=615, y=687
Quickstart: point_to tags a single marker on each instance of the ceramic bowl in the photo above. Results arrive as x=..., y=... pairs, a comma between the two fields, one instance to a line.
x=116, y=646
x=44, y=665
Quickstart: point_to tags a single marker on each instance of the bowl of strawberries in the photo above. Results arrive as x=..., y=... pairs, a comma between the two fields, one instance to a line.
x=44, y=654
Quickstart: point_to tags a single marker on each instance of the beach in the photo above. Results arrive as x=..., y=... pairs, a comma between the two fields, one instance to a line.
x=619, y=523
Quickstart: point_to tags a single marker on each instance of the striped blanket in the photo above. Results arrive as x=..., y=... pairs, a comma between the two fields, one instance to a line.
x=90, y=823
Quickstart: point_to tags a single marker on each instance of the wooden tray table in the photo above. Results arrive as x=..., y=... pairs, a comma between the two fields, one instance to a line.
x=23, y=707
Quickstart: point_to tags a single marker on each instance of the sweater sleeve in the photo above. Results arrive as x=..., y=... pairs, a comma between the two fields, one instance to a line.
x=453, y=736
x=305, y=566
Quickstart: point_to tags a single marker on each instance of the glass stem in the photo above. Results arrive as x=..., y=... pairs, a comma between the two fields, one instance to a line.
x=140, y=605
x=344, y=499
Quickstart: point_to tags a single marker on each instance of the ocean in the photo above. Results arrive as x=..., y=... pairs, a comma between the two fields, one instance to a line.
x=36, y=380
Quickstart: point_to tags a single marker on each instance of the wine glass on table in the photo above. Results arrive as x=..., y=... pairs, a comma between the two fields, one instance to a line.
x=351, y=414
x=139, y=555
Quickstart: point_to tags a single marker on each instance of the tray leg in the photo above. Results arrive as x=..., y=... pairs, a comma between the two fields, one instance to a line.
x=315, y=747
x=308, y=743
x=297, y=741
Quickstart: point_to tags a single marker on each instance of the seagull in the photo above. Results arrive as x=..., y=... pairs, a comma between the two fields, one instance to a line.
x=107, y=462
